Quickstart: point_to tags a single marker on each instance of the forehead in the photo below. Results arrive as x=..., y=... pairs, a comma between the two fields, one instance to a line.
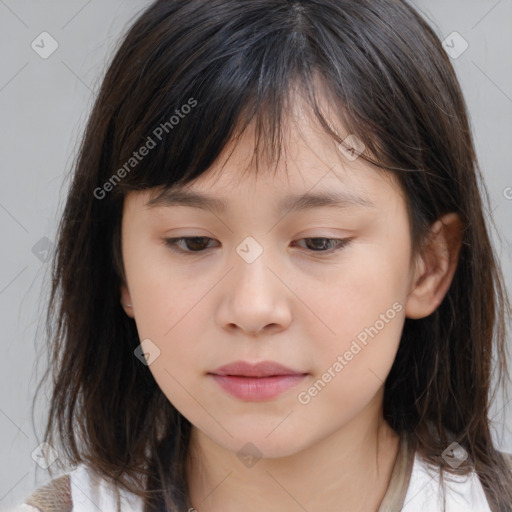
x=272, y=202
x=311, y=172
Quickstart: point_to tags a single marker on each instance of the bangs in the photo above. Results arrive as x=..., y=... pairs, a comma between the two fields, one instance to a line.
x=244, y=66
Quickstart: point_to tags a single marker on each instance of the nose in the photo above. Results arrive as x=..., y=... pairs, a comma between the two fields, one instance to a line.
x=255, y=299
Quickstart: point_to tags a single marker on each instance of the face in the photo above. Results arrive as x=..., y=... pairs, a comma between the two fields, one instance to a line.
x=320, y=290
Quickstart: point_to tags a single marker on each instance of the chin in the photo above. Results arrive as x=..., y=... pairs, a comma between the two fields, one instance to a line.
x=259, y=444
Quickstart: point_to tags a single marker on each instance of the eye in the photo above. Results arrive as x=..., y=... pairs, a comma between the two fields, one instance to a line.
x=321, y=243
x=197, y=244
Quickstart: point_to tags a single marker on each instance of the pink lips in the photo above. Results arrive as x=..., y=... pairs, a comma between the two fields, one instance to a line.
x=258, y=382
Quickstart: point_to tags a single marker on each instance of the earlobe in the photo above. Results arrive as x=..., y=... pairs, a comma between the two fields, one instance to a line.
x=126, y=302
x=435, y=267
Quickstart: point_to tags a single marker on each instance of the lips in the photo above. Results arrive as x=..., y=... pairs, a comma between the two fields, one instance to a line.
x=263, y=369
x=256, y=382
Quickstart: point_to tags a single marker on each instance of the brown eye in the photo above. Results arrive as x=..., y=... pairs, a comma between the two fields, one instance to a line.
x=325, y=245
x=191, y=244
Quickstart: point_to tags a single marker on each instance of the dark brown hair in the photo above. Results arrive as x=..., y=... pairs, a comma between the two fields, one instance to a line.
x=234, y=62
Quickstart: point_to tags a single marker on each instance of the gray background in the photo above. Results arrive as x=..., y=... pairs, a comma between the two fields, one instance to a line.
x=44, y=105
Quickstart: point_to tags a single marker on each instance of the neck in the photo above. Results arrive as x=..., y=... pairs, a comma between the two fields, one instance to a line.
x=332, y=474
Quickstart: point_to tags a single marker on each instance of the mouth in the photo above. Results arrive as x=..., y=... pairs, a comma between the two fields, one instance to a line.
x=256, y=382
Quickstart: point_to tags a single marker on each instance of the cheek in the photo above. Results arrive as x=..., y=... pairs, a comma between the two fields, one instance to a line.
x=170, y=318
x=363, y=306
x=367, y=285
x=352, y=364
x=160, y=289
x=167, y=312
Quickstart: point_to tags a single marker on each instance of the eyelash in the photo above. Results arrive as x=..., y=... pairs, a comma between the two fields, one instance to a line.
x=172, y=244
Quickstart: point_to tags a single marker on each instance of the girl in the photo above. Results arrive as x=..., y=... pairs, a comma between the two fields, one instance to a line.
x=318, y=337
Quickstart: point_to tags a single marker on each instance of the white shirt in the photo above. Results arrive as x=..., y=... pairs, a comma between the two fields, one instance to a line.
x=464, y=494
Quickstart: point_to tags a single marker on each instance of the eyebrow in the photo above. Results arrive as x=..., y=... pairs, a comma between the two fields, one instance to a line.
x=299, y=202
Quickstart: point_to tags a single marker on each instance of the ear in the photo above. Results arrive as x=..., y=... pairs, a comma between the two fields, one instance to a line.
x=435, y=267
x=126, y=301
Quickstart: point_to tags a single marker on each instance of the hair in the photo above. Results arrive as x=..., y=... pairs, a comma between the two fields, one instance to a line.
x=235, y=63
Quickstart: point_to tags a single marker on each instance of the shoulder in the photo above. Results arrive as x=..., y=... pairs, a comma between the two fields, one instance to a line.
x=462, y=493
x=91, y=493
x=80, y=490
x=55, y=496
